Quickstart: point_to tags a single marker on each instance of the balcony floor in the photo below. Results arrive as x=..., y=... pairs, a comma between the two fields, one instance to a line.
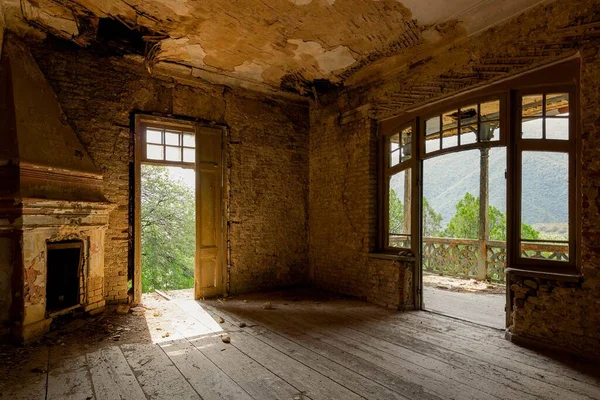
x=305, y=345
x=481, y=308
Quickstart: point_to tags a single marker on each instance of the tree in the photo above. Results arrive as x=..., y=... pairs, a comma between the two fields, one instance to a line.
x=396, y=214
x=465, y=222
x=432, y=221
x=168, y=231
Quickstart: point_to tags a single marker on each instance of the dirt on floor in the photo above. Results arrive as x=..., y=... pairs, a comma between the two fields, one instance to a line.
x=462, y=285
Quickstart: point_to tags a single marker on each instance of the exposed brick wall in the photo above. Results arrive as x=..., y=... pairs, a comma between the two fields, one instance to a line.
x=267, y=166
x=343, y=197
x=342, y=172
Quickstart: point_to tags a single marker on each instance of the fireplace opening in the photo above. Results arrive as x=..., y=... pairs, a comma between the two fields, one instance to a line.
x=64, y=275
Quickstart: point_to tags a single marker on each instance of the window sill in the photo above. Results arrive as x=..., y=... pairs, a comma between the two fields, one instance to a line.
x=392, y=257
x=564, y=277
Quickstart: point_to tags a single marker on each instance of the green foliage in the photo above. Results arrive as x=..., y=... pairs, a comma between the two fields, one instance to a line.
x=432, y=221
x=396, y=213
x=168, y=231
x=465, y=222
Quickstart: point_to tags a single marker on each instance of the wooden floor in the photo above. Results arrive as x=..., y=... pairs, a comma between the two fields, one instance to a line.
x=304, y=348
x=482, y=308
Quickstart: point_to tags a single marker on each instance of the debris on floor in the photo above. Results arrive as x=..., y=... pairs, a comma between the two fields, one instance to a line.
x=225, y=338
x=221, y=320
x=137, y=311
x=123, y=309
x=268, y=306
x=242, y=324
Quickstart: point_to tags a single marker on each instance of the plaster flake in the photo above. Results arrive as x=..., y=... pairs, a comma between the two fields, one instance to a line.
x=250, y=70
x=181, y=50
x=336, y=59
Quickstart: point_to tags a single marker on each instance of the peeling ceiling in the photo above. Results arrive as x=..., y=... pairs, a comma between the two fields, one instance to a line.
x=267, y=42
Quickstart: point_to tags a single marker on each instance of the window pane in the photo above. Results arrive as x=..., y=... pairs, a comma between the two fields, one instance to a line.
x=544, y=204
x=557, y=128
x=490, y=111
x=394, y=149
x=531, y=128
x=469, y=134
x=468, y=115
x=154, y=152
x=399, y=209
x=432, y=125
x=406, y=143
x=489, y=131
x=557, y=103
x=533, y=105
x=153, y=136
x=432, y=143
x=189, y=155
x=450, y=138
x=172, y=138
x=173, y=153
x=189, y=140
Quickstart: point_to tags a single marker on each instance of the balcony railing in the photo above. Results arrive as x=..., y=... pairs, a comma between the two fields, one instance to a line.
x=459, y=257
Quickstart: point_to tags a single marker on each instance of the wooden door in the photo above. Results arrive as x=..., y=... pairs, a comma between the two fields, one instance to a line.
x=209, y=276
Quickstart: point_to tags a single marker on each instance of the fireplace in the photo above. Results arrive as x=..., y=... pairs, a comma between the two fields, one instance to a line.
x=53, y=213
x=64, y=283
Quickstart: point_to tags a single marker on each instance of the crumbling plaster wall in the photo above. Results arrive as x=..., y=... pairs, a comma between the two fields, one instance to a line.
x=267, y=160
x=343, y=170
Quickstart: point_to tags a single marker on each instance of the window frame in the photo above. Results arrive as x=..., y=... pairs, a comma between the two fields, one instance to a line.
x=145, y=123
x=559, y=77
x=386, y=171
x=568, y=147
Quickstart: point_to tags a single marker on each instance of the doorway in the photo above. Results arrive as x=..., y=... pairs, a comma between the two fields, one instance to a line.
x=463, y=249
x=178, y=213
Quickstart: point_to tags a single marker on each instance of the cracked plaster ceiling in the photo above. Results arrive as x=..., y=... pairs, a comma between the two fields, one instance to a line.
x=271, y=42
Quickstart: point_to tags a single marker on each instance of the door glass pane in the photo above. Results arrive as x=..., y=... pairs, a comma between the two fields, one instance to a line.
x=489, y=131
x=154, y=152
x=469, y=134
x=399, y=209
x=533, y=105
x=557, y=128
x=545, y=205
x=490, y=111
x=449, y=129
x=531, y=128
x=432, y=134
x=557, y=103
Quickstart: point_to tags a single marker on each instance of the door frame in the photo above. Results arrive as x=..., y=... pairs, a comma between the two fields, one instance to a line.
x=140, y=120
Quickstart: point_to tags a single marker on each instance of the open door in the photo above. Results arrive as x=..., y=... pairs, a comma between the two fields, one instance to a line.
x=169, y=143
x=209, y=277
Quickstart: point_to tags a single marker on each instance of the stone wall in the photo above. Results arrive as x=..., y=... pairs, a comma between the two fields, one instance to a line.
x=343, y=168
x=267, y=167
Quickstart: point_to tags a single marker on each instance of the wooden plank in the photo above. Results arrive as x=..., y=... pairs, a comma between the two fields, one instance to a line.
x=157, y=375
x=439, y=377
x=527, y=381
x=397, y=381
x=69, y=378
x=34, y=372
x=111, y=375
x=204, y=376
x=257, y=381
x=337, y=372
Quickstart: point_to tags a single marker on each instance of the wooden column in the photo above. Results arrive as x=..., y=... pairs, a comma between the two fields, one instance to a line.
x=484, y=223
x=407, y=201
